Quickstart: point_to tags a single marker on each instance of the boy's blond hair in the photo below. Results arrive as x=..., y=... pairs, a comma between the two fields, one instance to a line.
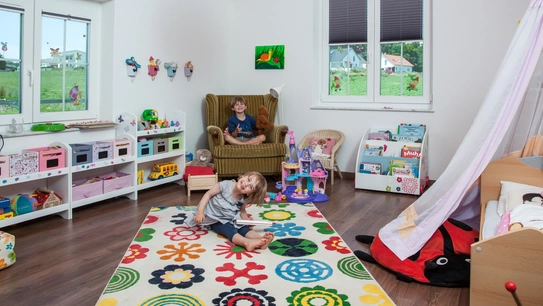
x=237, y=99
x=261, y=187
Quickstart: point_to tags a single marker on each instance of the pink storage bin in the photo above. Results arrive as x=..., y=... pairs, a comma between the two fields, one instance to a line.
x=23, y=163
x=82, y=190
x=4, y=166
x=118, y=181
x=50, y=158
x=121, y=147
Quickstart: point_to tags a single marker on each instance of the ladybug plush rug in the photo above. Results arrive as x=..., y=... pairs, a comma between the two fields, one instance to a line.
x=442, y=261
x=169, y=263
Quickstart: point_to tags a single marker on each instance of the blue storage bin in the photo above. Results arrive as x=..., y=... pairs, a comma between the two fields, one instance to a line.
x=145, y=148
x=81, y=153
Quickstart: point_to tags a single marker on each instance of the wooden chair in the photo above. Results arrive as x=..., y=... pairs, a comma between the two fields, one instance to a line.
x=328, y=163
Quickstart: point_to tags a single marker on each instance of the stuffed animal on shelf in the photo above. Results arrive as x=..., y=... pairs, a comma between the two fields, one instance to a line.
x=263, y=125
x=203, y=158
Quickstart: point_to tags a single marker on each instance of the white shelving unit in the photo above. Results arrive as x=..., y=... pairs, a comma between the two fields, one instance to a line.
x=391, y=151
x=58, y=180
x=129, y=126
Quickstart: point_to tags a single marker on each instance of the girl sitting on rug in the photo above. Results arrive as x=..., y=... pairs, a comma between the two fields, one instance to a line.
x=225, y=203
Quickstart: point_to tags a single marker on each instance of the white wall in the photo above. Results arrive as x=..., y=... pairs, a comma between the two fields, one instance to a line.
x=470, y=40
x=219, y=37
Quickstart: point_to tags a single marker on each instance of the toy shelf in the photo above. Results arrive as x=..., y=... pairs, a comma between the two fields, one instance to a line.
x=63, y=209
x=129, y=125
x=102, y=164
x=58, y=180
x=391, y=151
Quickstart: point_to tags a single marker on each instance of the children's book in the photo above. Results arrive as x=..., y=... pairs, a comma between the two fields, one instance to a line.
x=410, y=129
x=370, y=168
x=379, y=136
x=406, y=138
x=411, y=152
x=372, y=152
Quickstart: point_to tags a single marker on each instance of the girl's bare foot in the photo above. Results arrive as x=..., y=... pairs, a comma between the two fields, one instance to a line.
x=254, y=243
x=269, y=238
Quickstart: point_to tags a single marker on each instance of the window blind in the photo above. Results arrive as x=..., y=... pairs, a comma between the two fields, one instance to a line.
x=348, y=21
x=401, y=20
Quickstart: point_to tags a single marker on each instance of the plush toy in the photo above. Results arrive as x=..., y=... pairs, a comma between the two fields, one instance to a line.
x=442, y=261
x=263, y=125
x=203, y=158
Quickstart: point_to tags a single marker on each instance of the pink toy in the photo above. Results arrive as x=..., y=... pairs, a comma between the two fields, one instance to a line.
x=279, y=197
x=293, y=156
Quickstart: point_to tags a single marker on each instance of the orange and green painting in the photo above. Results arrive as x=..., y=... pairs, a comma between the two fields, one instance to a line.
x=270, y=57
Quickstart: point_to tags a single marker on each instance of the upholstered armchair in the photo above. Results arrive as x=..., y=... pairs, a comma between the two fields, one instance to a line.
x=232, y=160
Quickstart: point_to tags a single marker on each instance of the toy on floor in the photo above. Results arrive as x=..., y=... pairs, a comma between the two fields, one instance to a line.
x=442, y=261
x=303, y=177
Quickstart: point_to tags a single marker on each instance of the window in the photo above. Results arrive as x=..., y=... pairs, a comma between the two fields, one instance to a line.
x=376, y=54
x=46, y=68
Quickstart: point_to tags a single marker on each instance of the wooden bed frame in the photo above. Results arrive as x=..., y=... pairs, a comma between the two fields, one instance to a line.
x=516, y=256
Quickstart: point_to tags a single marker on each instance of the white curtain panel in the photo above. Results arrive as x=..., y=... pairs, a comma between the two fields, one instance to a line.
x=406, y=234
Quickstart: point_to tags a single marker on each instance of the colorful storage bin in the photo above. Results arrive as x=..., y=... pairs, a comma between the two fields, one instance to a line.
x=86, y=188
x=50, y=158
x=145, y=148
x=102, y=150
x=4, y=166
x=23, y=163
x=116, y=180
x=81, y=153
x=175, y=143
x=121, y=147
x=161, y=145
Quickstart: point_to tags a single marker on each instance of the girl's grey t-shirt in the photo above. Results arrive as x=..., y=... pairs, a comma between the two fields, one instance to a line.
x=221, y=207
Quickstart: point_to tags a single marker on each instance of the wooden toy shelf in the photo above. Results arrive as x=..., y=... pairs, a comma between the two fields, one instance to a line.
x=391, y=151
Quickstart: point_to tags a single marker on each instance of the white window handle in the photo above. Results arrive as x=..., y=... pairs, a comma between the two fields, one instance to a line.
x=30, y=77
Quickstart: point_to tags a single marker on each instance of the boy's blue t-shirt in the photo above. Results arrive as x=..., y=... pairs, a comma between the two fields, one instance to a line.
x=247, y=126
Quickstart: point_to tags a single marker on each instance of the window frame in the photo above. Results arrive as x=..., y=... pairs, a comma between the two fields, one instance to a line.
x=30, y=53
x=373, y=100
x=68, y=8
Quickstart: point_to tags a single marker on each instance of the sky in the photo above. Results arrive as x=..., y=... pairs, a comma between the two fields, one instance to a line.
x=52, y=35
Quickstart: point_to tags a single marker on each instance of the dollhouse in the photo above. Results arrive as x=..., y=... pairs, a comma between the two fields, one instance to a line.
x=304, y=178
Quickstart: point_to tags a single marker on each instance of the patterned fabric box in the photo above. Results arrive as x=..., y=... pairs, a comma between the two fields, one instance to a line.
x=23, y=163
x=102, y=150
x=7, y=254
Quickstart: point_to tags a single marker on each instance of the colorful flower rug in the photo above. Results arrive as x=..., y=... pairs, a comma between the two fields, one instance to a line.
x=169, y=263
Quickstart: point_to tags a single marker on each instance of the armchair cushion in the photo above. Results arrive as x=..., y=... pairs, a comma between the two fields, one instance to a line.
x=324, y=144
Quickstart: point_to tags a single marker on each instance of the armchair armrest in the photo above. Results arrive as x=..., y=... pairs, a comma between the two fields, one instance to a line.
x=215, y=137
x=277, y=134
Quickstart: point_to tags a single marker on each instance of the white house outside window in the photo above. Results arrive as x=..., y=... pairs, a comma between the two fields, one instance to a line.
x=389, y=44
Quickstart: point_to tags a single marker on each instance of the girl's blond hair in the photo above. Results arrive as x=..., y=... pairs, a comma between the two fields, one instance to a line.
x=261, y=187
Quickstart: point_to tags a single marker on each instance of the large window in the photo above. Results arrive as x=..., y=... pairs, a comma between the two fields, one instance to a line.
x=46, y=60
x=376, y=54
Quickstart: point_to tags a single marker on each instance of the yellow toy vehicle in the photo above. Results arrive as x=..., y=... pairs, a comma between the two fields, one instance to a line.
x=163, y=170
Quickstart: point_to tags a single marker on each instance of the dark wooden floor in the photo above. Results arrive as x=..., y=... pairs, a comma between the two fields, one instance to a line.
x=69, y=262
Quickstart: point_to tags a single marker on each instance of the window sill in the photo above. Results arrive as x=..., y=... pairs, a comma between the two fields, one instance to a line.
x=404, y=108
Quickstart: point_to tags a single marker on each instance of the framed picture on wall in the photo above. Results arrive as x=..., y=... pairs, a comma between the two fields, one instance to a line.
x=270, y=57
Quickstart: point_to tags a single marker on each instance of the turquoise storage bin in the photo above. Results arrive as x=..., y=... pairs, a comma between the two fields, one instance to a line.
x=145, y=148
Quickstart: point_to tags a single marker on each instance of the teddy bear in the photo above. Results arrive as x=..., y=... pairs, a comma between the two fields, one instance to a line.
x=203, y=158
x=263, y=125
